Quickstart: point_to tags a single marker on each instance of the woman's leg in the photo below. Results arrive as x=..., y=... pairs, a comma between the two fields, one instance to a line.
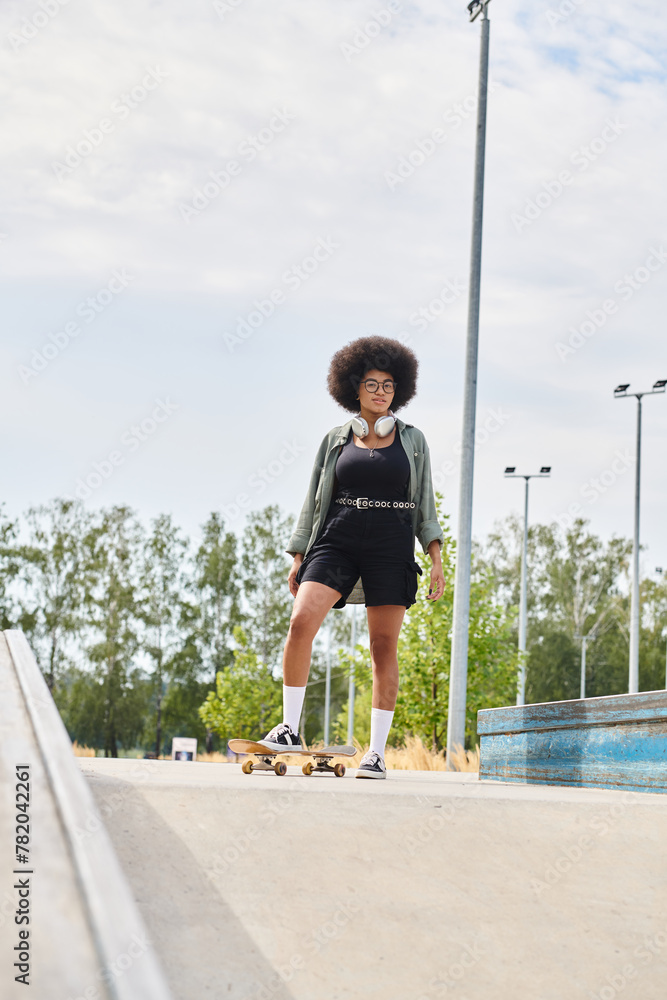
x=384, y=625
x=312, y=603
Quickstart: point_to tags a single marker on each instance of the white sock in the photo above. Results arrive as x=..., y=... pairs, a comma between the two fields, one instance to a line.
x=292, y=705
x=380, y=725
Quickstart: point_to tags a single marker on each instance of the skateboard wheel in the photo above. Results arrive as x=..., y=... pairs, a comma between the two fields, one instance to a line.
x=280, y=767
x=339, y=770
x=246, y=766
x=308, y=767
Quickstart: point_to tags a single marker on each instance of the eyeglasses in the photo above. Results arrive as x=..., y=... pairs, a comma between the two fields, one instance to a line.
x=372, y=385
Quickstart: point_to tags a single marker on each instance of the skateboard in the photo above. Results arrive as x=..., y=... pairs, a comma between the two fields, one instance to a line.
x=263, y=759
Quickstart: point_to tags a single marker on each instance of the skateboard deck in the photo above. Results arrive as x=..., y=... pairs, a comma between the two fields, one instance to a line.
x=265, y=759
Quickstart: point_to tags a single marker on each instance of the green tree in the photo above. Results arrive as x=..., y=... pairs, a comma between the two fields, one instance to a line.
x=579, y=576
x=424, y=652
x=215, y=611
x=652, y=651
x=312, y=719
x=363, y=695
x=161, y=586
x=9, y=569
x=575, y=587
x=105, y=711
x=115, y=701
x=247, y=697
x=264, y=566
x=185, y=693
x=54, y=583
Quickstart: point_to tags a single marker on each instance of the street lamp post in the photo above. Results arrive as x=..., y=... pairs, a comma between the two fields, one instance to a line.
x=584, y=640
x=350, y=697
x=511, y=473
x=621, y=392
x=456, y=717
x=659, y=570
x=327, y=687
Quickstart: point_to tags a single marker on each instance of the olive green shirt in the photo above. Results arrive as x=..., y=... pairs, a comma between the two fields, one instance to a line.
x=425, y=524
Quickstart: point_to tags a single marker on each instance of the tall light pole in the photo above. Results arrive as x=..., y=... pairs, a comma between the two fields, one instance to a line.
x=458, y=676
x=621, y=392
x=327, y=687
x=584, y=640
x=659, y=571
x=511, y=473
x=350, y=697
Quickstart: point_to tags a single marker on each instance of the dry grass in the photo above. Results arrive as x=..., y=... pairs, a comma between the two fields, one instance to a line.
x=213, y=758
x=414, y=756
x=466, y=760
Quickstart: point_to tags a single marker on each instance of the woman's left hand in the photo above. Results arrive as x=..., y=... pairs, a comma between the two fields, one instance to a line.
x=437, y=587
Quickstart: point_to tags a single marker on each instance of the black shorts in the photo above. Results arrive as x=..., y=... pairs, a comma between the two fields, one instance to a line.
x=376, y=544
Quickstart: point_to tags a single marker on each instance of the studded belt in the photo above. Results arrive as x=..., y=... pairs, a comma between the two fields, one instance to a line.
x=363, y=502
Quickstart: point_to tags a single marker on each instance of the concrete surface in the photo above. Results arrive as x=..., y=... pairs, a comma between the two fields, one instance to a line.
x=64, y=960
x=69, y=925
x=421, y=886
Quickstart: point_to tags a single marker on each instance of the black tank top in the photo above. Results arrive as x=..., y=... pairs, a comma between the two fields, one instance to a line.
x=382, y=473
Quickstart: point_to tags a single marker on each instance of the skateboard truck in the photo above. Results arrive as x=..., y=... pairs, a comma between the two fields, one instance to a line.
x=263, y=759
x=323, y=763
x=264, y=763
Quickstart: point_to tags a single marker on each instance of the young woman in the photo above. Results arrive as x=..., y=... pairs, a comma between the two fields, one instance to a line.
x=370, y=495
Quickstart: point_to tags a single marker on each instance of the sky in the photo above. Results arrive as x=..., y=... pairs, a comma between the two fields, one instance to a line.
x=203, y=202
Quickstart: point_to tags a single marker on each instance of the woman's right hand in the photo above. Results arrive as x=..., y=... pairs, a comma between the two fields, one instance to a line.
x=291, y=579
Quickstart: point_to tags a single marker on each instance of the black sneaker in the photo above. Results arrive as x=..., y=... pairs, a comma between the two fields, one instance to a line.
x=282, y=737
x=372, y=766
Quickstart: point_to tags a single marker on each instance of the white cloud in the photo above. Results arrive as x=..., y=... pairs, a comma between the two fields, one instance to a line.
x=556, y=88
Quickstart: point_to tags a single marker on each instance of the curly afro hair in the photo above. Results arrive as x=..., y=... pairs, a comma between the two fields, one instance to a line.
x=349, y=366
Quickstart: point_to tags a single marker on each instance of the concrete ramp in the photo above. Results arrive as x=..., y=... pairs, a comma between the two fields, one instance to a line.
x=422, y=886
x=69, y=926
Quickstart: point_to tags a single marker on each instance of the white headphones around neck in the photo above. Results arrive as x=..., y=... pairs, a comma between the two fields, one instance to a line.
x=383, y=425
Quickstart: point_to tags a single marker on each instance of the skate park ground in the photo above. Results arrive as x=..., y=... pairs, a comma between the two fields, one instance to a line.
x=425, y=885
x=170, y=880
